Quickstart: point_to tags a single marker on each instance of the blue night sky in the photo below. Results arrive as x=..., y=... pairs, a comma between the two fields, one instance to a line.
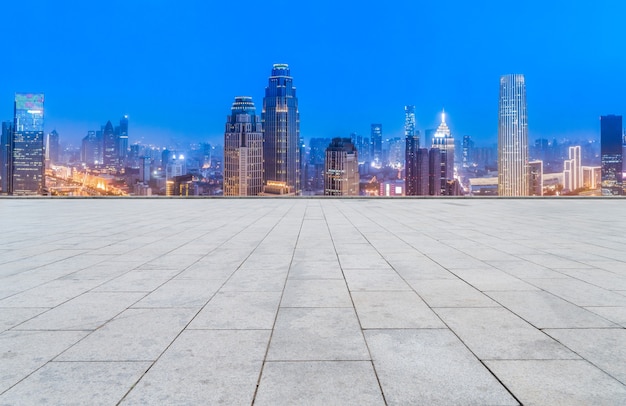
x=175, y=66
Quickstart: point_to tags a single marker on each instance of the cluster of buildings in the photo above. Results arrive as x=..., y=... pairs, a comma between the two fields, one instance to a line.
x=264, y=155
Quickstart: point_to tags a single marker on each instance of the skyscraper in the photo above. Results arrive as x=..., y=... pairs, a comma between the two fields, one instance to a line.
x=5, y=155
x=611, y=155
x=535, y=178
x=376, y=139
x=409, y=123
x=26, y=175
x=341, y=172
x=281, y=132
x=52, y=147
x=91, y=150
x=434, y=172
x=443, y=141
x=243, y=150
x=572, y=170
x=411, y=165
x=110, y=154
x=512, y=137
x=122, y=139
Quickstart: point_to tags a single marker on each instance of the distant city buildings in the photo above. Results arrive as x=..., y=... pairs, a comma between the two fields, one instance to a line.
x=243, y=150
x=572, y=170
x=281, y=134
x=512, y=137
x=611, y=155
x=535, y=178
x=27, y=155
x=5, y=155
x=52, y=148
x=376, y=138
x=341, y=172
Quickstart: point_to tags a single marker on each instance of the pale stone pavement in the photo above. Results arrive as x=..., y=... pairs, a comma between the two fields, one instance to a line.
x=313, y=301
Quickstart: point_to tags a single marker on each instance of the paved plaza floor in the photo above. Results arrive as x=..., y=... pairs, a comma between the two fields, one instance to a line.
x=313, y=301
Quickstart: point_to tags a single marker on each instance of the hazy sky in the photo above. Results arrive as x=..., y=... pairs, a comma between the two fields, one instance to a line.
x=175, y=66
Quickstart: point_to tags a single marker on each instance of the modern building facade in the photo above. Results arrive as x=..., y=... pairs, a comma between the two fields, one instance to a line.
x=27, y=152
x=281, y=132
x=611, y=155
x=572, y=170
x=341, y=168
x=411, y=166
x=444, y=142
x=535, y=177
x=376, y=139
x=110, y=151
x=512, y=137
x=5, y=155
x=243, y=150
x=122, y=139
x=52, y=148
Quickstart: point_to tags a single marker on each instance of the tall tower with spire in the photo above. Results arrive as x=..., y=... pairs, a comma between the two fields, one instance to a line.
x=243, y=150
x=281, y=133
x=443, y=141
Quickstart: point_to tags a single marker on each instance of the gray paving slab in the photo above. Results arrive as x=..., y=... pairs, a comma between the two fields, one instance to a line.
x=395, y=309
x=13, y=316
x=374, y=280
x=193, y=293
x=93, y=383
x=255, y=280
x=450, y=293
x=320, y=268
x=134, y=335
x=317, y=334
x=544, y=310
x=316, y=293
x=23, y=352
x=431, y=367
x=85, y=312
x=580, y=293
x=49, y=294
x=205, y=367
x=138, y=280
x=558, y=382
x=604, y=348
x=239, y=310
x=488, y=278
x=319, y=383
x=496, y=333
x=616, y=314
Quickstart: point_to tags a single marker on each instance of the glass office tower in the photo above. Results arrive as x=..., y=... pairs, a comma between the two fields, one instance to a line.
x=27, y=154
x=611, y=155
x=281, y=133
x=512, y=137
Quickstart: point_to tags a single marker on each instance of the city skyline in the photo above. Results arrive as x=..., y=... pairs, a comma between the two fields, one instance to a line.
x=168, y=77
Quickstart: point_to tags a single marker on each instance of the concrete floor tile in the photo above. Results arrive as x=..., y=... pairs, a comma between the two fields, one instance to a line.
x=398, y=309
x=13, y=316
x=316, y=293
x=92, y=383
x=238, y=310
x=317, y=334
x=374, y=280
x=431, y=367
x=249, y=280
x=319, y=383
x=580, y=293
x=496, y=333
x=134, y=335
x=616, y=314
x=604, y=348
x=560, y=382
x=23, y=352
x=86, y=312
x=181, y=293
x=205, y=367
x=450, y=293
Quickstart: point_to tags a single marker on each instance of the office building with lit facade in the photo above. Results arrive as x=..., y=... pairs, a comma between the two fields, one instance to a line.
x=27, y=152
x=341, y=168
x=281, y=134
x=535, y=178
x=243, y=150
x=376, y=139
x=572, y=170
x=512, y=137
x=444, y=142
x=611, y=155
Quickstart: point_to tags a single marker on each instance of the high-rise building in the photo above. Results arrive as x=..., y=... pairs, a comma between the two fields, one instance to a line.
x=281, y=132
x=52, y=147
x=341, y=173
x=409, y=123
x=466, y=156
x=422, y=187
x=110, y=146
x=611, y=155
x=27, y=154
x=443, y=141
x=91, y=150
x=376, y=138
x=434, y=172
x=572, y=170
x=411, y=165
x=122, y=139
x=243, y=150
x=535, y=178
x=512, y=137
x=5, y=155
x=145, y=169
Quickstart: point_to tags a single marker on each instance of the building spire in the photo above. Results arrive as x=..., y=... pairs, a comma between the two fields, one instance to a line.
x=443, y=116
